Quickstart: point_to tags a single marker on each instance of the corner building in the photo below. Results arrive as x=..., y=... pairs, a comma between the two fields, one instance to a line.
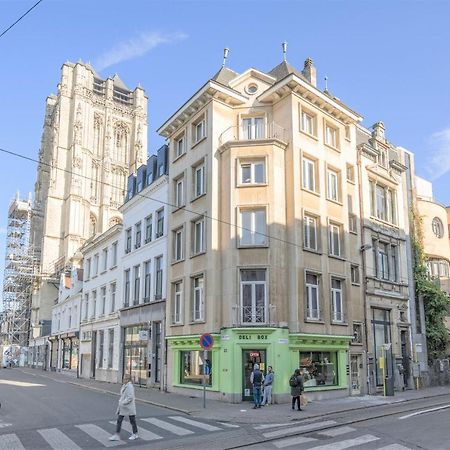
x=264, y=236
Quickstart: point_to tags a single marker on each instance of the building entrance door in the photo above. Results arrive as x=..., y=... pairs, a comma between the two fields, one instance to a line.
x=405, y=356
x=249, y=359
x=355, y=374
x=93, y=353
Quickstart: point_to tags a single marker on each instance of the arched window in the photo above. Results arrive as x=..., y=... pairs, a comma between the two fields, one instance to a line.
x=438, y=227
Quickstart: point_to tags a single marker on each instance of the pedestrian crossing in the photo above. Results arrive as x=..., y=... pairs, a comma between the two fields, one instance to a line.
x=96, y=435
x=315, y=437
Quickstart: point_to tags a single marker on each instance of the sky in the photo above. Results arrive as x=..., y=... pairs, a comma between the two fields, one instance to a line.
x=388, y=61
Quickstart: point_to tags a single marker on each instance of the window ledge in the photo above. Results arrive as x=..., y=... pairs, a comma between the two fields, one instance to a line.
x=113, y=267
x=198, y=142
x=177, y=208
x=356, y=284
x=337, y=202
x=177, y=261
x=198, y=196
x=311, y=250
x=353, y=232
x=340, y=258
x=195, y=322
x=342, y=324
x=384, y=222
x=198, y=254
x=351, y=181
x=312, y=136
x=179, y=157
x=320, y=321
x=251, y=185
x=178, y=324
x=244, y=247
x=311, y=192
x=332, y=147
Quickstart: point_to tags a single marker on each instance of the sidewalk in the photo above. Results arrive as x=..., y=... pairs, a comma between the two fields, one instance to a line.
x=243, y=412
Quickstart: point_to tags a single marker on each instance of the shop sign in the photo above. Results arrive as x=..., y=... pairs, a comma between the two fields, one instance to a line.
x=254, y=354
x=225, y=337
x=247, y=337
x=143, y=335
x=283, y=341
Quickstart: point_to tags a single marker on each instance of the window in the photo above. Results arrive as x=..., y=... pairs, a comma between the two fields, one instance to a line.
x=160, y=222
x=199, y=130
x=354, y=274
x=105, y=259
x=253, y=296
x=199, y=180
x=147, y=281
x=331, y=136
x=383, y=260
x=307, y=123
x=137, y=235
x=309, y=174
x=199, y=236
x=253, y=172
x=194, y=366
x=335, y=239
x=437, y=227
x=127, y=289
x=110, y=347
x=101, y=343
x=352, y=223
x=112, y=303
x=337, y=303
x=312, y=297
x=350, y=173
x=86, y=306
x=94, y=304
x=383, y=203
x=88, y=268
x=253, y=128
x=114, y=255
x=310, y=232
x=158, y=277
x=178, y=244
x=198, y=299
x=148, y=228
x=96, y=261
x=180, y=146
x=357, y=333
x=332, y=185
x=319, y=368
x=70, y=318
x=137, y=285
x=253, y=230
x=103, y=304
x=179, y=192
x=177, y=301
x=393, y=269
x=128, y=240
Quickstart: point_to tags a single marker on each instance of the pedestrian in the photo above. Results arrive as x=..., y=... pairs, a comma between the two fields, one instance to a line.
x=126, y=407
x=257, y=379
x=296, y=384
x=268, y=382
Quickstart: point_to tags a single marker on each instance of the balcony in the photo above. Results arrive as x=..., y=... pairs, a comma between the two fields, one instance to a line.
x=244, y=316
x=255, y=134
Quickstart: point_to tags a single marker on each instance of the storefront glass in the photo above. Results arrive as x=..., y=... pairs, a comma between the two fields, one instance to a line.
x=74, y=358
x=194, y=366
x=135, y=354
x=319, y=368
x=66, y=353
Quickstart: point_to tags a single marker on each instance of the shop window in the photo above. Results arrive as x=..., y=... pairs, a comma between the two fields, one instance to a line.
x=319, y=368
x=195, y=367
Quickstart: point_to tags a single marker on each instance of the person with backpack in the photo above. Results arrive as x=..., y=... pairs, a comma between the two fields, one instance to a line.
x=257, y=379
x=296, y=384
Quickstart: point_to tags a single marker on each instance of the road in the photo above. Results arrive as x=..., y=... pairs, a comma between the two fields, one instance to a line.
x=43, y=413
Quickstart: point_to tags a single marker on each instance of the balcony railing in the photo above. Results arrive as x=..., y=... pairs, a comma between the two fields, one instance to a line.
x=254, y=316
x=238, y=133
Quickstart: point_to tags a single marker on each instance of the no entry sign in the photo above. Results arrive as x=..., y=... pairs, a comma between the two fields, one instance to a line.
x=206, y=341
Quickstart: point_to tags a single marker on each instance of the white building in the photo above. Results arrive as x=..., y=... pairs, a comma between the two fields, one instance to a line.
x=144, y=262
x=100, y=331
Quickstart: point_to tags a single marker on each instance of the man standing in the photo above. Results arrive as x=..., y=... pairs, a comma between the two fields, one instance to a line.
x=257, y=379
x=268, y=381
x=296, y=384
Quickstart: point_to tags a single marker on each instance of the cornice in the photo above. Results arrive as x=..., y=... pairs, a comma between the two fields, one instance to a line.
x=252, y=143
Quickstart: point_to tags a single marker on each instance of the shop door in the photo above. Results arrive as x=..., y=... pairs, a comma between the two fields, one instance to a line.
x=93, y=353
x=157, y=352
x=249, y=359
x=405, y=357
x=355, y=374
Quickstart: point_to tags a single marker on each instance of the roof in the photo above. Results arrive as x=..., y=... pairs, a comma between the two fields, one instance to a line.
x=224, y=75
x=118, y=83
x=283, y=70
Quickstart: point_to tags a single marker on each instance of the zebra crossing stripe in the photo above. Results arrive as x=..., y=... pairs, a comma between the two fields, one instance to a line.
x=337, y=431
x=58, y=440
x=194, y=423
x=228, y=425
x=293, y=441
x=341, y=445
x=143, y=434
x=272, y=425
x=308, y=427
x=10, y=442
x=394, y=447
x=175, y=429
x=99, y=434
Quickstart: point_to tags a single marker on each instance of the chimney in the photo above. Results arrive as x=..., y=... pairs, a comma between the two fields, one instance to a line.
x=378, y=130
x=309, y=71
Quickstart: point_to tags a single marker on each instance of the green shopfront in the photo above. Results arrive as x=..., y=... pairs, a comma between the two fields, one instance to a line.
x=226, y=368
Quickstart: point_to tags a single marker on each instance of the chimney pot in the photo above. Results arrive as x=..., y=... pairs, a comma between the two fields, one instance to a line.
x=309, y=71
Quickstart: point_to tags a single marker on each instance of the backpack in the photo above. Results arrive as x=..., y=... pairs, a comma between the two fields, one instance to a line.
x=257, y=378
x=293, y=382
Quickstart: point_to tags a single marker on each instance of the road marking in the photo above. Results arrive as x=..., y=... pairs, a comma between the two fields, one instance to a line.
x=21, y=383
x=293, y=441
x=58, y=440
x=337, y=431
x=145, y=435
x=425, y=411
x=347, y=443
x=179, y=431
x=99, y=434
x=309, y=427
x=194, y=423
x=272, y=425
x=394, y=447
x=10, y=442
x=4, y=425
x=228, y=425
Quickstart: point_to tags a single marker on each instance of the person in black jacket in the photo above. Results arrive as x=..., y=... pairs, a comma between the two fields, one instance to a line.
x=256, y=378
x=296, y=383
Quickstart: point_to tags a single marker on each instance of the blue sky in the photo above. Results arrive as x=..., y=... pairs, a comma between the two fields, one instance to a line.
x=387, y=60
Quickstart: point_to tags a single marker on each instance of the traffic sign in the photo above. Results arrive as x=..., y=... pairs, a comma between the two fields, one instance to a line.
x=206, y=341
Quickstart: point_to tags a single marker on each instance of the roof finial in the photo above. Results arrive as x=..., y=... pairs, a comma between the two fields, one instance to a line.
x=284, y=47
x=326, y=83
x=225, y=56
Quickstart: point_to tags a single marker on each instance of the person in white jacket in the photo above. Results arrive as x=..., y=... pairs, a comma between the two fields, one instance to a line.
x=126, y=407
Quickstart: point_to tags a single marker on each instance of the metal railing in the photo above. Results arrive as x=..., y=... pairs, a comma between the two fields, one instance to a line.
x=271, y=130
x=254, y=316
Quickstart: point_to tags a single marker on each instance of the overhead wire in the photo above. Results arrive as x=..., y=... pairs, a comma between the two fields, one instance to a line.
x=20, y=18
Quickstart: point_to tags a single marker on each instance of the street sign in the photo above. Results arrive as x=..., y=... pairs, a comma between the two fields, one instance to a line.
x=206, y=341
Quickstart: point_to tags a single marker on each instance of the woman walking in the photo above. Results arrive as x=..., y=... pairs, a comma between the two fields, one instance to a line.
x=127, y=407
x=296, y=383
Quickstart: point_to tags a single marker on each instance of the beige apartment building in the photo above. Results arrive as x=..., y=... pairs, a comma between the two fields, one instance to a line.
x=264, y=240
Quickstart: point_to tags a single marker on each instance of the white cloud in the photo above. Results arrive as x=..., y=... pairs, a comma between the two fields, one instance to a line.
x=439, y=154
x=135, y=47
